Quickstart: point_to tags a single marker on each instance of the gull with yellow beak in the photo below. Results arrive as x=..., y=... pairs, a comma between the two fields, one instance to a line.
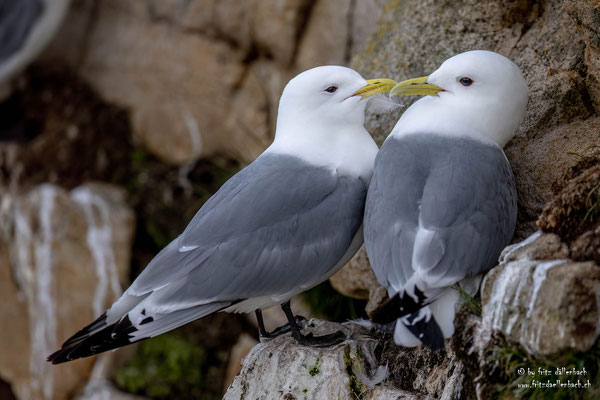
x=285, y=223
x=442, y=201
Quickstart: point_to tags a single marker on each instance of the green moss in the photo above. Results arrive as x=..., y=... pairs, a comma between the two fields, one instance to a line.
x=592, y=203
x=164, y=367
x=325, y=302
x=139, y=157
x=471, y=303
x=353, y=359
x=157, y=235
x=315, y=370
x=518, y=369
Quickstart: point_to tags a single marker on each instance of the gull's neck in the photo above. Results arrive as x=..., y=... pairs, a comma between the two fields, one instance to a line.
x=347, y=149
x=436, y=115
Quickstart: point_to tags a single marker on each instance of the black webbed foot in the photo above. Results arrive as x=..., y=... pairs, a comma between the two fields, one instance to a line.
x=310, y=340
x=299, y=319
x=320, y=341
x=263, y=333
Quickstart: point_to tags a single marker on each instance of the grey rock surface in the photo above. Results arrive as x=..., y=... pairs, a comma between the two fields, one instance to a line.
x=203, y=77
x=552, y=41
x=62, y=265
x=555, y=43
x=280, y=367
x=541, y=300
x=368, y=365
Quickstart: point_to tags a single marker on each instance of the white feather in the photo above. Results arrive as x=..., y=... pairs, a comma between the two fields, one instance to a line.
x=381, y=103
x=381, y=374
x=362, y=322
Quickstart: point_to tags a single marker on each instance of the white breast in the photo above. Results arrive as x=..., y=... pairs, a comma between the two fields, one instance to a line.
x=348, y=151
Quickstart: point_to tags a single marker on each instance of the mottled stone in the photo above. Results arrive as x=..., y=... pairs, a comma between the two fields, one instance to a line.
x=238, y=352
x=587, y=246
x=368, y=365
x=176, y=85
x=327, y=36
x=203, y=77
x=277, y=25
x=356, y=279
x=63, y=265
x=248, y=118
x=547, y=305
x=550, y=41
x=336, y=30
x=336, y=372
x=570, y=213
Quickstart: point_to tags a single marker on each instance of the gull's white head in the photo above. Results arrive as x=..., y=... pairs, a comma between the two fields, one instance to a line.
x=321, y=116
x=329, y=96
x=477, y=93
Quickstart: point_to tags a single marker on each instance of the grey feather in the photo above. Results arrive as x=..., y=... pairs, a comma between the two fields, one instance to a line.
x=275, y=225
x=460, y=189
x=17, y=18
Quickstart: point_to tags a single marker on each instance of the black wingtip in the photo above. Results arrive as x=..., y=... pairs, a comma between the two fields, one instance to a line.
x=85, y=332
x=110, y=337
x=397, y=307
x=428, y=332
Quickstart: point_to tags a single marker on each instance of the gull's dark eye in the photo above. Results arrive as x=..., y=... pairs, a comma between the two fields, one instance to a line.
x=331, y=89
x=466, y=81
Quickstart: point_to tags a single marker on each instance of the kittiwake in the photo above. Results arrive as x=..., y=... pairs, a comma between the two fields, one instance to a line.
x=442, y=201
x=282, y=225
x=26, y=27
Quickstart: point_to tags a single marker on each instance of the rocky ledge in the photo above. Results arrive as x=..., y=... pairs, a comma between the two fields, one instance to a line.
x=539, y=310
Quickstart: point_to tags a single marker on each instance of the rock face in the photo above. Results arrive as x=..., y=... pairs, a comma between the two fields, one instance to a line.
x=538, y=299
x=193, y=78
x=178, y=79
x=574, y=211
x=62, y=265
x=338, y=372
x=368, y=365
x=355, y=279
x=541, y=300
x=203, y=77
x=358, y=281
x=553, y=42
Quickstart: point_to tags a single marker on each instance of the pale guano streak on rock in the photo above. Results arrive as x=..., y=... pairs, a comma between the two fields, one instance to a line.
x=35, y=276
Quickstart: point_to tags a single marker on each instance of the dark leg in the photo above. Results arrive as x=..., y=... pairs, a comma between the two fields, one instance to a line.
x=310, y=340
x=262, y=331
x=286, y=328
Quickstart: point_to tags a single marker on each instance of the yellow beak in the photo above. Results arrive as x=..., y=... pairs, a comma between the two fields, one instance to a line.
x=416, y=86
x=375, y=86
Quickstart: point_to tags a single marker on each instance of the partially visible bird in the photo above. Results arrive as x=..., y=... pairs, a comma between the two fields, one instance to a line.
x=442, y=202
x=282, y=225
x=26, y=27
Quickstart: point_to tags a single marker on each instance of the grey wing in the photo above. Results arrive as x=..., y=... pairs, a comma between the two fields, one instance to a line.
x=391, y=214
x=277, y=224
x=443, y=210
x=16, y=21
